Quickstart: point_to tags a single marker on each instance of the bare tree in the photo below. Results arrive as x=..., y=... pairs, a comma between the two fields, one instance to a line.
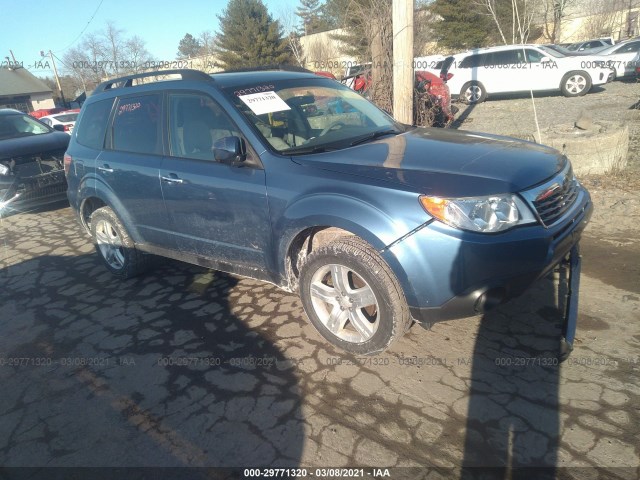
x=320, y=55
x=369, y=25
x=106, y=54
x=522, y=14
x=288, y=20
x=136, y=54
x=602, y=18
x=491, y=8
x=554, y=13
x=113, y=37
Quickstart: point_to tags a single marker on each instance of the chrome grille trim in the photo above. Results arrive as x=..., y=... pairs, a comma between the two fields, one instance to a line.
x=554, y=198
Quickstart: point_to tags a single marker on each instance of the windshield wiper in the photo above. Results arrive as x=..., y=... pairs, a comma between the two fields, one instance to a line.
x=302, y=151
x=374, y=135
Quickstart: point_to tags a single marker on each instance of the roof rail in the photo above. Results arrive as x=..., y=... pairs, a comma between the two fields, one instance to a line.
x=261, y=68
x=127, y=81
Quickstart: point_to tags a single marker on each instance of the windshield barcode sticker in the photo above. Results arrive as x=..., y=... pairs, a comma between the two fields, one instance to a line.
x=264, y=102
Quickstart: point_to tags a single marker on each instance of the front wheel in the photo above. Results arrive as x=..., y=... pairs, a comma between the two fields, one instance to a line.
x=473, y=92
x=352, y=297
x=575, y=84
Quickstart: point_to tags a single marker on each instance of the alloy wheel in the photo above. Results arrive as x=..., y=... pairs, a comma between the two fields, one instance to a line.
x=110, y=244
x=345, y=303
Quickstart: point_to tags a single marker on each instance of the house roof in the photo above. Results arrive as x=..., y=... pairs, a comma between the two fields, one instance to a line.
x=20, y=81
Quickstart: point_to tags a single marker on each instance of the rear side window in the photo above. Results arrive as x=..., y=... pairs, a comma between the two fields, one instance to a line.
x=473, y=61
x=136, y=124
x=629, y=48
x=90, y=131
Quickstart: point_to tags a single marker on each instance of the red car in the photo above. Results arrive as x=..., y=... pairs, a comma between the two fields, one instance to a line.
x=436, y=110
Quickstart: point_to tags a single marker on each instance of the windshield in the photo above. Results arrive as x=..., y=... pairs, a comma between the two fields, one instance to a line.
x=20, y=125
x=555, y=51
x=310, y=115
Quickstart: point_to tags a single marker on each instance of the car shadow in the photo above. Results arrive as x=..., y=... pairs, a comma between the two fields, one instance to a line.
x=154, y=371
x=512, y=428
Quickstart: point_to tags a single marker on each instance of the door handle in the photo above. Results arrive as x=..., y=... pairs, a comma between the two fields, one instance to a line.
x=106, y=168
x=172, y=178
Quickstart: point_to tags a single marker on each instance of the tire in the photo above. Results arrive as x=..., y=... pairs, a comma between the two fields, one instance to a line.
x=473, y=92
x=114, y=245
x=575, y=84
x=383, y=315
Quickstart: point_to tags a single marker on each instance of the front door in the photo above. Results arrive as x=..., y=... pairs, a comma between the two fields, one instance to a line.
x=218, y=211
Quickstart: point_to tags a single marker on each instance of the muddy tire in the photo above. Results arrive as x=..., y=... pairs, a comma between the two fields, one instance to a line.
x=352, y=297
x=114, y=245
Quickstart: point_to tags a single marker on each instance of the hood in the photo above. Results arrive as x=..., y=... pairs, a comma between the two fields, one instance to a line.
x=445, y=162
x=33, y=145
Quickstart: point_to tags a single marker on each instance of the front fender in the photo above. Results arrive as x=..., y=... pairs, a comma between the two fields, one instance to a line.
x=367, y=221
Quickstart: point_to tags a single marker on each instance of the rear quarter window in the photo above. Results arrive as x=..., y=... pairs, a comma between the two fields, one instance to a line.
x=92, y=127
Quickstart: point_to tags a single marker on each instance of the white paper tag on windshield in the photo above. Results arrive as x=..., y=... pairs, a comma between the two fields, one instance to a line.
x=264, y=102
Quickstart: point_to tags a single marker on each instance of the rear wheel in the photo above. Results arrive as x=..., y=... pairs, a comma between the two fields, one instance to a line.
x=114, y=245
x=352, y=297
x=473, y=92
x=575, y=84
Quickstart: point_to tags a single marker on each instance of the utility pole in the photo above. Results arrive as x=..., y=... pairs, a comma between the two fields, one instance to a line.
x=55, y=72
x=403, y=76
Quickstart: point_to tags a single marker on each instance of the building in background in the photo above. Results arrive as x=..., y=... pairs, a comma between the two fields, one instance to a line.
x=21, y=90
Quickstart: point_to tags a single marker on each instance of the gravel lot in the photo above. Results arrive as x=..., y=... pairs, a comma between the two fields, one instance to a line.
x=514, y=115
x=117, y=374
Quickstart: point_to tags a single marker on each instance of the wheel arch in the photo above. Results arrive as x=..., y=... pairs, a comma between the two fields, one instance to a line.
x=307, y=226
x=96, y=195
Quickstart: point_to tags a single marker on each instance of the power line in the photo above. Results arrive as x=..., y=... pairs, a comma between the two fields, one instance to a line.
x=84, y=29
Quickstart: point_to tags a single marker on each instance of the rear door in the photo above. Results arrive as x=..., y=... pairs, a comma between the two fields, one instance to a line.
x=130, y=164
x=218, y=211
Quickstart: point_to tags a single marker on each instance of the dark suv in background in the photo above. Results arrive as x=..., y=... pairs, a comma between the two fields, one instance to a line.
x=31, y=162
x=297, y=180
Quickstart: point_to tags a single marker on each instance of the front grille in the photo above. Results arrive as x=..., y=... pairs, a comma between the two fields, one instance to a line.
x=553, y=201
x=43, y=192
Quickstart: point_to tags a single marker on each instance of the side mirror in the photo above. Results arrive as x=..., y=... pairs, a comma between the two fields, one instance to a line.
x=229, y=150
x=545, y=60
x=58, y=127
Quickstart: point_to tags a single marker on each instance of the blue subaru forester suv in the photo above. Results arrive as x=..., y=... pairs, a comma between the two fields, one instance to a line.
x=296, y=180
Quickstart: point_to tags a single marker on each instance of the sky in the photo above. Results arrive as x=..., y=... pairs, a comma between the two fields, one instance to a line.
x=28, y=27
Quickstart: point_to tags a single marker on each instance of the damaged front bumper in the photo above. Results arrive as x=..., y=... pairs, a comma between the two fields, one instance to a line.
x=18, y=194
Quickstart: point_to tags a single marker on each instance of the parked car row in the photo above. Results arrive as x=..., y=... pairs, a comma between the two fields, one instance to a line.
x=474, y=75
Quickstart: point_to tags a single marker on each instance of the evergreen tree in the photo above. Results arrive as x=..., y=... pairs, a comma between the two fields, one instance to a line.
x=311, y=14
x=462, y=27
x=188, y=47
x=250, y=36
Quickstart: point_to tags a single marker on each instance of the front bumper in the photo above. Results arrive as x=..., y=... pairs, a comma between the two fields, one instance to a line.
x=19, y=195
x=447, y=273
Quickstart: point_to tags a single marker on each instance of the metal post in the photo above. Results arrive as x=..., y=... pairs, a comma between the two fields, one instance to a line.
x=55, y=71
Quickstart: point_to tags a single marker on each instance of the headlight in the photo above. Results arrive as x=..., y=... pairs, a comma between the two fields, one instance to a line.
x=494, y=213
x=4, y=170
